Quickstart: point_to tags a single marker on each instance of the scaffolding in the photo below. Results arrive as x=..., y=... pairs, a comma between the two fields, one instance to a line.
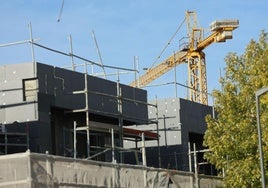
x=13, y=141
x=197, y=165
x=120, y=129
x=86, y=128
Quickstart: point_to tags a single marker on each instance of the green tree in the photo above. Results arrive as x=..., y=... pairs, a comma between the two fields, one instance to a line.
x=232, y=134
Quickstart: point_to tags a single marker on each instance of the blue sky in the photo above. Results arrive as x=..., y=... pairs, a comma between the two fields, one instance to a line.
x=125, y=29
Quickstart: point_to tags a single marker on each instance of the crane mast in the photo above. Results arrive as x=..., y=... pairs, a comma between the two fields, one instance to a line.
x=193, y=55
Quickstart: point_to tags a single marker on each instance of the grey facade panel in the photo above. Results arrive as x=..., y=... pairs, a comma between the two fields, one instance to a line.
x=11, y=85
x=2, y=115
x=21, y=113
x=19, y=71
x=11, y=96
x=12, y=104
x=169, y=121
x=2, y=74
x=179, y=117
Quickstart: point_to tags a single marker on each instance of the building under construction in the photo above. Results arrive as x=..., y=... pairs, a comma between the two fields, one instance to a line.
x=46, y=109
x=65, y=113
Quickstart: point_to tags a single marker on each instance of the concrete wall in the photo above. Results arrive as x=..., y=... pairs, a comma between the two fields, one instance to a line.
x=39, y=170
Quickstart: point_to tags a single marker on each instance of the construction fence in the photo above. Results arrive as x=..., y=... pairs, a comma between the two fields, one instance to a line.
x=32, y=170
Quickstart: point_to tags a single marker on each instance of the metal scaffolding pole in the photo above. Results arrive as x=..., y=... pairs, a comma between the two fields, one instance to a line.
x=157, y=130
x=112, y=139
x=71, y=52
x=136, y=68
x=144, y=162
x=120, y=118
x=195, y=168
x=32, y=49
x=87, y=111
x=190, y=157
x=175, y=77
x=99, y=54
x=75, y=151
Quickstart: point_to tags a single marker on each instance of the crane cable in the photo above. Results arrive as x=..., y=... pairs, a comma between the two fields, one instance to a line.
x=61, y=9
x=172, y=37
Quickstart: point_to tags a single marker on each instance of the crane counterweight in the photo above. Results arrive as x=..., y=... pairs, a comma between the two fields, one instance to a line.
x=223, y=24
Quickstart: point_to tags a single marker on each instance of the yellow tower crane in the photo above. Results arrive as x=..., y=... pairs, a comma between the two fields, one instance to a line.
x=193, y=55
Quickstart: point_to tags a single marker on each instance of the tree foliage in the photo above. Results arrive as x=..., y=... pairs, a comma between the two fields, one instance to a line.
x=232, y=134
